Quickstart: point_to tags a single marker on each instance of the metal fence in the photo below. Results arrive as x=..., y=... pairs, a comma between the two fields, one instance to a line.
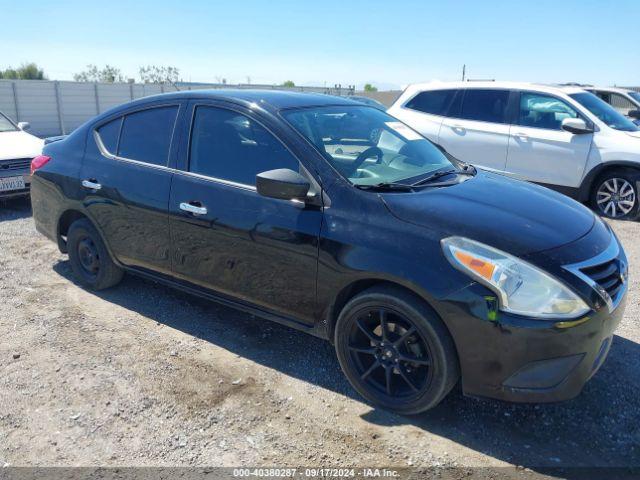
x=58, y=107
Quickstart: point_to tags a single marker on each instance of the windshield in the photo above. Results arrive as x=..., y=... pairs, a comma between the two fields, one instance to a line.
x=6, y=125
x=635, y=96
x=366, y=145
x=605, y=112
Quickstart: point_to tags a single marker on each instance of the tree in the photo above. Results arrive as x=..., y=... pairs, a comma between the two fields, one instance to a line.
x=370, y=88
x=156, y=74
x=26, y=71
x=107, y=74
x=288, y=83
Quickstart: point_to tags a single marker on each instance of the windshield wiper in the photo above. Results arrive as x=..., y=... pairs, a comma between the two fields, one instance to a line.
x=466, y=170
x=389, y=186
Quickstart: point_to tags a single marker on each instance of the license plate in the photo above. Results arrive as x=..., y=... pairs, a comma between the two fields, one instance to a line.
x=11, y=183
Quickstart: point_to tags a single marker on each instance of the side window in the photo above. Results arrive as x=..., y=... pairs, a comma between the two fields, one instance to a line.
x=230, y=146
x=543, y=111
x=146, y=135
x=485, y=105
x=109, y=134
x=435, y=102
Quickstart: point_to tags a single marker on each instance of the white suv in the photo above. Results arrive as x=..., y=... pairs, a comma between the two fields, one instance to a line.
x=561, y=137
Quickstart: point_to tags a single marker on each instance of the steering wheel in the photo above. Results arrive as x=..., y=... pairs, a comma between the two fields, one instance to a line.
x=368, y=153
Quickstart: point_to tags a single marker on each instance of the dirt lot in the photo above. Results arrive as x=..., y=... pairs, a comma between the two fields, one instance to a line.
x=144, y=375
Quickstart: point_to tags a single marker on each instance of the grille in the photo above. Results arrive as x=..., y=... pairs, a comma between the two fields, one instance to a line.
x=14, y=164
x=608, y=275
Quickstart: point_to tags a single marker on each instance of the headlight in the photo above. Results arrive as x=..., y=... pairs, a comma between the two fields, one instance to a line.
x=522, y=288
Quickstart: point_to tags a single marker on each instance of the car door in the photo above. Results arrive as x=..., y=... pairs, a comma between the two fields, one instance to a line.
x=126, y=182
x=478, y=132
x=228, y=238
x=539, y=149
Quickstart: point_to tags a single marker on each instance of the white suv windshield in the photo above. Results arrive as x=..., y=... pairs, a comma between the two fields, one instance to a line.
x=605, y=112
x=366, y=145
x=6, y=125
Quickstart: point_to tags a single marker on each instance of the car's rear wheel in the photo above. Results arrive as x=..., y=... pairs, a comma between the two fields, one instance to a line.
x=395, y=350
x=89, y=257
x=616, y=195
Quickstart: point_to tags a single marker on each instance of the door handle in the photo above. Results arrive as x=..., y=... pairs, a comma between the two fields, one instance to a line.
x=91, y=184
x=191, y=208
x=524, y=136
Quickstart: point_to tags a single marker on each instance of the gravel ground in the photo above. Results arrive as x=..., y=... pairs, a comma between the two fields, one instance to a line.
x=142, y=375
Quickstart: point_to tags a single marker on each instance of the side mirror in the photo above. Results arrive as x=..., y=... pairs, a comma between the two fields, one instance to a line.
x=634, y=114
x=575, y=125
x=282, y=183
x=24, y=125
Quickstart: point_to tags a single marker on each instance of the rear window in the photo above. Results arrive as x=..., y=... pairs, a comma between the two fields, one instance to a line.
x=109, y=133
x=146, y=135
x=488, y=105
x=435, y=102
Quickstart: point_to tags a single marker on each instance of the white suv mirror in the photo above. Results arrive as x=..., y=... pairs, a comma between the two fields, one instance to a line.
x=24, y=125
x=575, y=125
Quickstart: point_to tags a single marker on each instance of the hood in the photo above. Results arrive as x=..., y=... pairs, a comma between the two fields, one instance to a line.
x=514, y=216
x=19, y=145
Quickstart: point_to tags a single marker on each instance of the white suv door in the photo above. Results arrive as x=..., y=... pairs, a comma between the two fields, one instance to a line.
x=478, y=133
x=539, y=150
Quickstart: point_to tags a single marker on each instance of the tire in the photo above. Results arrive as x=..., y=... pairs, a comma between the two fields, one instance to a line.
x=615, y=194
x=90, y=260
x=418, y=351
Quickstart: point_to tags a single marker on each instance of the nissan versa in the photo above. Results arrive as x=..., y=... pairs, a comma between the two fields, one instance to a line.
x=333, y=217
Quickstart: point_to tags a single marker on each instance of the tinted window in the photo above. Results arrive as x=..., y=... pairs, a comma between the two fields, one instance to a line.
x=230, y=146
x=146, y=135
x=435, y=102
x=485, y=105
x=543, y=111
x=109, y=133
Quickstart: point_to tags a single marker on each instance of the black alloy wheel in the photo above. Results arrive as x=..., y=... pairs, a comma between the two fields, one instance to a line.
x=395, y=350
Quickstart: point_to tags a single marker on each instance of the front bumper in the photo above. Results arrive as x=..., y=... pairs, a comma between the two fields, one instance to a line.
x=523, y=359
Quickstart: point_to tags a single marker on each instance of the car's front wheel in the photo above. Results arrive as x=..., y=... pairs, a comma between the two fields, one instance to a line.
x=616, y=195
x=395, y=350
x=89, y=257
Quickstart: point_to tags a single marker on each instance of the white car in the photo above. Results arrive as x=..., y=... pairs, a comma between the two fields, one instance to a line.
x=17, y=148
x=624, y=100
x=562, y=137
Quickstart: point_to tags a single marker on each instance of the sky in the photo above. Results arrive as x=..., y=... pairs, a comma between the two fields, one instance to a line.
x=325, y=42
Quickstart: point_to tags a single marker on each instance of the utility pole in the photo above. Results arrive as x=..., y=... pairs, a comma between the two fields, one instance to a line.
x=464, y=71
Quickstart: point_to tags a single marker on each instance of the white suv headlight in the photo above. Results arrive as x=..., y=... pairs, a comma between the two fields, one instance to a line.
x=521, y=288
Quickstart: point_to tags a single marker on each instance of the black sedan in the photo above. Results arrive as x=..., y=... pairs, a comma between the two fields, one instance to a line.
x=337, y=219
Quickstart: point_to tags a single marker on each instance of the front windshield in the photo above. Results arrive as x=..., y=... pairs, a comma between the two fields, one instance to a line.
x=366, y=145
x=635, y=96
x=605, y=112
x=6, y=125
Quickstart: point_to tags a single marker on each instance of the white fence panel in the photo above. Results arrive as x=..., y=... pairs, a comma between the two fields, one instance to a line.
x=77, y=103
x=7, y=103
x=113, y=94
x=37, y=105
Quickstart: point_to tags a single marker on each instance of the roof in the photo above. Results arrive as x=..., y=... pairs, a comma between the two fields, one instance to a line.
x=268, y=99
x=489, y=84
x=610, y=89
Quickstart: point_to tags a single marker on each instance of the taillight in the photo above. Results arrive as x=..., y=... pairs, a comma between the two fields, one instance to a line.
x=39, y=162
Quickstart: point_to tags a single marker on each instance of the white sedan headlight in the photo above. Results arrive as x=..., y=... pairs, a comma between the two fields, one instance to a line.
x=521, y=288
